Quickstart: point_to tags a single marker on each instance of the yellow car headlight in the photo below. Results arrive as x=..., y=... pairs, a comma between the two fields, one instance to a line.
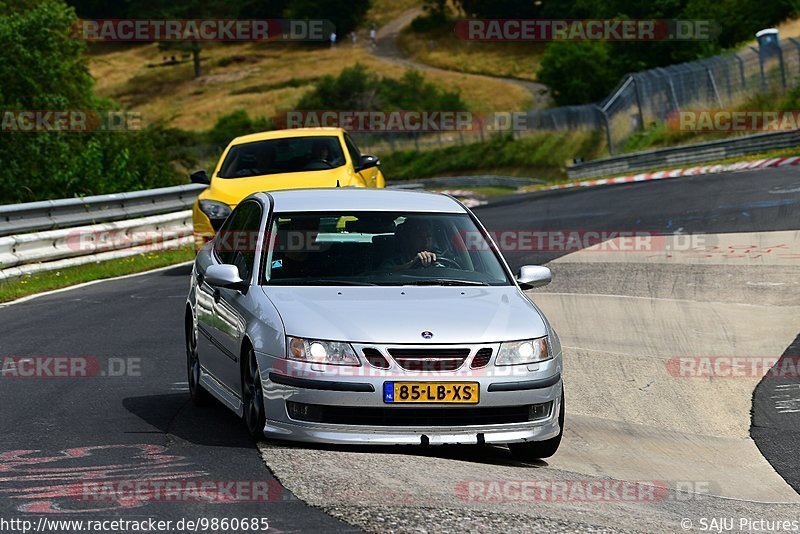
x=214, y=209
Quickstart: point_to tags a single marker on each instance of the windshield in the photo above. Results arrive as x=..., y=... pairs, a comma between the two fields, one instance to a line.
x=274, y=156
x=381, y=248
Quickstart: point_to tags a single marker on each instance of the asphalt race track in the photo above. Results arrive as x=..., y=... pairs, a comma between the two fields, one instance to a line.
x=623, y=316
x=747, y=202
x=128, y=423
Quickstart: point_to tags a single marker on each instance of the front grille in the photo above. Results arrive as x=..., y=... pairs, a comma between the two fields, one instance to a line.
x=481, y=358
x=429, y=359
x=396, y=416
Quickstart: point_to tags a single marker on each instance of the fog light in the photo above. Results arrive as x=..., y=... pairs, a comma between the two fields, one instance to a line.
x=304, y=412
x=539, y=411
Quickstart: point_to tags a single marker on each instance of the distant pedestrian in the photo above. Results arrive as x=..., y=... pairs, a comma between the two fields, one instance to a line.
x=333, y=39
x=373, y=36
x=353, y=37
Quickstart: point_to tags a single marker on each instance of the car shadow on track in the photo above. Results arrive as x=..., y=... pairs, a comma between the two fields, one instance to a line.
x=174, y=414
x=479, y=454
x=215, y=425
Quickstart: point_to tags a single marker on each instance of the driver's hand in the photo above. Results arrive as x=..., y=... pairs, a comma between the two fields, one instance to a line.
x=425, y=258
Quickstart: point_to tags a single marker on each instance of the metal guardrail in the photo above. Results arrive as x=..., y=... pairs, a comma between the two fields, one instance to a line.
x=54, y=234
x=70, y=212
x=86, y=240
x=695, y=153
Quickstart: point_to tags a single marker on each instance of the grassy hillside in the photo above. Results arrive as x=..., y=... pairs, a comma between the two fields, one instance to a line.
x=442, y=48
x=544, y=156
x=258, y=77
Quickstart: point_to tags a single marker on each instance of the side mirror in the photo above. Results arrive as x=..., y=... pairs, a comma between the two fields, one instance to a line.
x=226, y=276
x=200, y=177
x=531, y=276
x=367, y=162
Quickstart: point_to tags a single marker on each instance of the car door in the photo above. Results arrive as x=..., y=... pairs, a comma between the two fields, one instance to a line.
x=215, y=322
x=230, y=311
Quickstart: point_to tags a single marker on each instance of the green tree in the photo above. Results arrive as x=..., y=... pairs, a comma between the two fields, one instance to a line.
x=44, y=68
x=235, y=124
x=578, y=72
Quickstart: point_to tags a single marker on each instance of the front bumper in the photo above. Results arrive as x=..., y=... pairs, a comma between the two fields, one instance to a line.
x=471, y=435
x=360, y=391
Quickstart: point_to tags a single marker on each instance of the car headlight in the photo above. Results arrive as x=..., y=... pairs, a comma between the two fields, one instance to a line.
x=522, y=352
x=317, y=351
x=214, y=209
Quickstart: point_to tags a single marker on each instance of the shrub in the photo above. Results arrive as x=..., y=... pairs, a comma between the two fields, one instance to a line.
x=578, y=72
x=358, y=88
x=235, y=124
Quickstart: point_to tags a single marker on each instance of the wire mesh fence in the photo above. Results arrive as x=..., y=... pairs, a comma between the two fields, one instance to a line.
x=641, y=99
x=721, y=82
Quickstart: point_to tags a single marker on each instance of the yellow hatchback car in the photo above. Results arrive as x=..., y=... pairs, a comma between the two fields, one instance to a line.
x=281, y=159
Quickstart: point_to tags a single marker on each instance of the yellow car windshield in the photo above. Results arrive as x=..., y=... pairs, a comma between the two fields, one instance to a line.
x=278, y=156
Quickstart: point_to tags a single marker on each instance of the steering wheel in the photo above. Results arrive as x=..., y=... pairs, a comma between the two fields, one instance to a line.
x=447, y=262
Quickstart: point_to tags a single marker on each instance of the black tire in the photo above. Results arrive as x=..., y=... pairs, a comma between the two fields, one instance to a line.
x=200, y=397
x=253, y=397
x=536, y=450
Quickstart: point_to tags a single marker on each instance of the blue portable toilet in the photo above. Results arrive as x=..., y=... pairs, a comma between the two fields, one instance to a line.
x=768, y=40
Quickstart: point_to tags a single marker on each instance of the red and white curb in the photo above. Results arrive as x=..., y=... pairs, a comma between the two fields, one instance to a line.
x=675, y=173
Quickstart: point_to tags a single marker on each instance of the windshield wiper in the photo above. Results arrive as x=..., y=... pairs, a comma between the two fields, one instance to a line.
x=444, y=282
x=323, y=282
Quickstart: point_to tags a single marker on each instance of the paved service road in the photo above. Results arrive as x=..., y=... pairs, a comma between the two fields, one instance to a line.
x=621, y=318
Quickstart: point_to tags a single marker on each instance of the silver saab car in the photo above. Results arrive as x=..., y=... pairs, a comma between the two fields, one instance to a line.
x=372, y=317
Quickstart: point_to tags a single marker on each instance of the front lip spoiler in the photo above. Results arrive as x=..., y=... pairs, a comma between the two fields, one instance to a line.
x=306, y=383
x=528, y=384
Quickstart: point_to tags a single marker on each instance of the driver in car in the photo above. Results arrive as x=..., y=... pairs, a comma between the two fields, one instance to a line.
x=415, y=241
x=320, y=151
x=266, y=160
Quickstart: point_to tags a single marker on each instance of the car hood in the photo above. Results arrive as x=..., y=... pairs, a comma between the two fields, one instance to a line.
x=231, y=191
x=401, y=314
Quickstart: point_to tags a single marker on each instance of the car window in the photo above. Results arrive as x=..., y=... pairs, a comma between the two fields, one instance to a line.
x=352, y=149
x=380, y=248
x=287, y=155
x=236, y=241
